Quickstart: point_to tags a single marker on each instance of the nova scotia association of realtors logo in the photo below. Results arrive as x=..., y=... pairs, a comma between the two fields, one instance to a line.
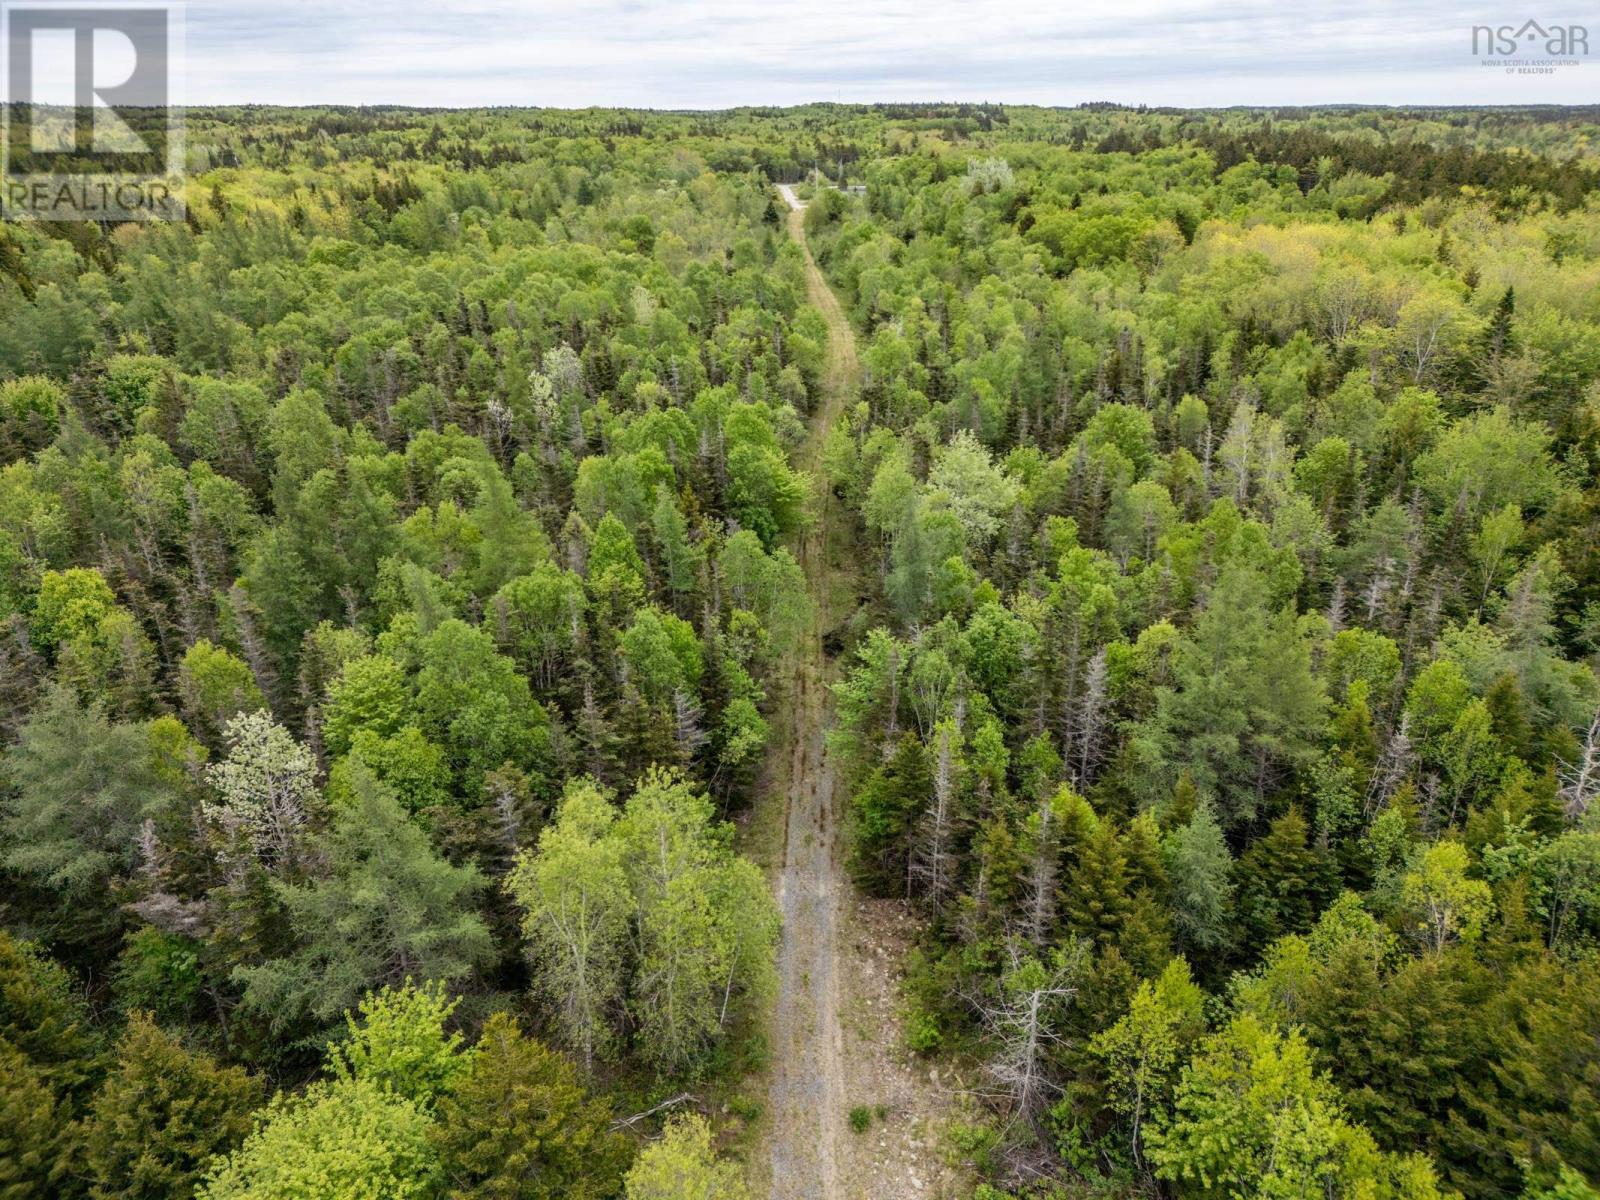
x=93, y=130
x=1530, y=47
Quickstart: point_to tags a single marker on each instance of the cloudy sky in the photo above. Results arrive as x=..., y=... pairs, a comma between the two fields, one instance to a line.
x=716, y=53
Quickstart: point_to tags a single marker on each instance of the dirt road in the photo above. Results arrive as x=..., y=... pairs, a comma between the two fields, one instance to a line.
x=807, y=1101
x=836, y=1042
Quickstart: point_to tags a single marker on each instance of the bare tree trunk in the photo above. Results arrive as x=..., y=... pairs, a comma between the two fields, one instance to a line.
x=1091, y=721
x=1021, y=1029
x=1580, y=781
x=1391, y=768
x=934, y=861
x=1042, y=878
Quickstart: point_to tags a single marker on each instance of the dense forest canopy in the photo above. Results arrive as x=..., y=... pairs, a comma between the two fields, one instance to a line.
x=396, y=557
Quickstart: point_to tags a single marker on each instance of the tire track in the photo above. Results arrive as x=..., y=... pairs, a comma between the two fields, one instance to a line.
x=807, y=1100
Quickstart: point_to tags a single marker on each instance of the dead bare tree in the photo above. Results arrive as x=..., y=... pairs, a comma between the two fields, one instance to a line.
x=1391, y=768
x=1336, y=603
x=1580, y=779
x=1021, y=1023
x=506, y=823
x=688, y=735
x=933, y=860
x=1069, y=711
x=168, y=912
x=1041, y=878
x=252, y=643
x=672, y=1102
x=1378, y=586
x=1091, y=718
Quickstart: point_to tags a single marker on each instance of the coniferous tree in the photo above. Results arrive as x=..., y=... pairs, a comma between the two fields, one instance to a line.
x=83, y=787
x=389, y=908
x=161, y=1115
x=1200, y=869
x=517, y=1125
x=39, y=1143
x=1282, y=883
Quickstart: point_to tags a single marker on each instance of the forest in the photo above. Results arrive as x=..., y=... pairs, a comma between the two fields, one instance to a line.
x=400, y=574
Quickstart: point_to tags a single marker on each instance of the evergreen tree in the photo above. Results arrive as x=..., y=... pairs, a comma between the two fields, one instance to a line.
x=1244, y=704
x=517, y=1125
x=1200, y=869
x=82, y=789
x=39, y=1143
x=883, y=808
x=1537, y=1100
x=1097, y=901
x=161, y=1115
x=43, y=1018
x=389, y=908
x=1282, y=883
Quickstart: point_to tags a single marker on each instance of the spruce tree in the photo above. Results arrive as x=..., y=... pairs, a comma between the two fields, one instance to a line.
x=161, y=1116
x=518, y=1125
x=388, y=908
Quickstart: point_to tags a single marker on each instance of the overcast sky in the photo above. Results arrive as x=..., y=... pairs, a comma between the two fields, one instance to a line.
x=684, y=54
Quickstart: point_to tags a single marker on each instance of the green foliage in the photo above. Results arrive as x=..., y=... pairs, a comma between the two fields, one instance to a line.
x=707, y=924
x=517, y=1125
x=38, y=1142
x=883, y=808
x=662, y=653
x=1222, y=488
x=390, y=907
x=1199, y=867
x=474, y=703
x=1285, y=621
x=574, y=895
x=369, y=695
x=347, y=1140
x=1284, y=881
x=1252, y=1117
x=216, y=686
x=263, y=789
x=1142, y=1051
x=1536, y=1106
x=161, y=1115
x=1443, y=902
x=30, y=411
x=763, y=493
x=701, y=922
x=400, y=1043
x=535, y=615
x=82, y=789
x=160, y=973
x=1245, y=702
x=42, y=1017
x=1569, y=1186
x=683, y=1166
x=70, y=605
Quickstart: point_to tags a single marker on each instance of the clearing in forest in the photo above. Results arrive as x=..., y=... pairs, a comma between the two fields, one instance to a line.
x=836, y=1041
